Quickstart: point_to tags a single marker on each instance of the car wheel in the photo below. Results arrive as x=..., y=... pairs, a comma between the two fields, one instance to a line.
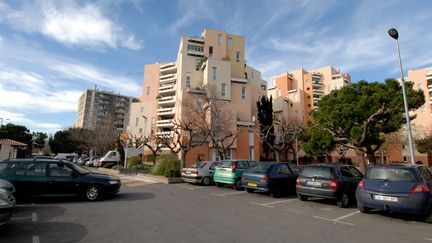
x=301, y=197
x=238, y=186
x=363, y=209
x=343, y=201
x=218, y=184
x=93, y=193
x=206, y=181
x=275, y=192
x=250, y=190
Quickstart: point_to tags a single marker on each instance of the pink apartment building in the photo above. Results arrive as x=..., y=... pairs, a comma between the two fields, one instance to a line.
x=210, y=66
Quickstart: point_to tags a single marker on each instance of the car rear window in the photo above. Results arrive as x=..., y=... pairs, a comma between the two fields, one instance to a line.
x=5, y=167
x=318, y=172
x=199, y=165
x=226, y=164
x=260, y=168
x=391, y=174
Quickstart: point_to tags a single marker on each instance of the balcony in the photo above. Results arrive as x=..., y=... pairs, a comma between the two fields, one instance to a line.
x=316, y=75
x=318, y=92
x=196, y=40
x=245, y=123
x=168, y=78
x=168, y=68
x=195, y=50
x=165, y=111
x=165, y=123
x=316, y=99
x=429, y=73
x=167, y=100
x=165, y=89
x=317, y=84
x=165, y=134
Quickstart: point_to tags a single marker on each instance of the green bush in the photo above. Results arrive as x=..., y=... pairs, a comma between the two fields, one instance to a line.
x=167, y=165
x=133, y=161
x=109, y=165
x=117, y=167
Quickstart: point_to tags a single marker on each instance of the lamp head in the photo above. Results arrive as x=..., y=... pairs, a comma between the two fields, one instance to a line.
x=393, y=33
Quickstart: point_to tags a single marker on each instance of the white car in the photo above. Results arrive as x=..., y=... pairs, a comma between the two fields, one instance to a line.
x=201, y=173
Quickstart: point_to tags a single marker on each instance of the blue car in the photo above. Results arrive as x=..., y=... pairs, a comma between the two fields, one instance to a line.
x=273, y=177
x=397, y=188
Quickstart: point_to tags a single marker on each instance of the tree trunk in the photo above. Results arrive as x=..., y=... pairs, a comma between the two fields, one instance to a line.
x=277, y=154
x=362, y=162
x=371, y=156
x=154, y=157
x=183, y=158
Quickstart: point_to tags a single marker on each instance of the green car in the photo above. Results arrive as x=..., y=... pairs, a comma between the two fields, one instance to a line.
x=230, y=171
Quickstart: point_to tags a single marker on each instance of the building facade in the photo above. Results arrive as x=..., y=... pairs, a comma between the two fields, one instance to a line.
x=97, y=109
x=209, y=68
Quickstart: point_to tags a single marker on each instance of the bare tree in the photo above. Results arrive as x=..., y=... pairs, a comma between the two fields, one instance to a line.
x=285, y=134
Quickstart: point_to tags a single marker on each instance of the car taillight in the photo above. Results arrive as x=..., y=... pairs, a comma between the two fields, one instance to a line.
x=194, y=172
x=420, y=188
x=234, y=167
x=361, y=184
x=298, y=180
x=334, y=184
x=264, y=178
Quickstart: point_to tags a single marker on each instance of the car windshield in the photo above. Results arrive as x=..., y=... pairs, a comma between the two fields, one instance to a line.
x=5, y=167
x=79, y=168
x=317, y=171
x=199, y=165
x=391, y=174
x=260, y=168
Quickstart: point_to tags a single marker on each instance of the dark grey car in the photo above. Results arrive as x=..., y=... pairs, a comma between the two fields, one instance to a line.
x=332, y=181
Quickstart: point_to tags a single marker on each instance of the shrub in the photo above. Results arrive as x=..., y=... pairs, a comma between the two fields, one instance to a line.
x=109, y=165
x=133, y=161
x=117, y=167
x=167, y=165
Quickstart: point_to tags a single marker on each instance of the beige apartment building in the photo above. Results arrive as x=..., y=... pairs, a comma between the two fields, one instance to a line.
x=208, y=67
x=100, y=109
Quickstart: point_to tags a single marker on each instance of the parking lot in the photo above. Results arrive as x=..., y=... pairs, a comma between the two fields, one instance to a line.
x=145, y=211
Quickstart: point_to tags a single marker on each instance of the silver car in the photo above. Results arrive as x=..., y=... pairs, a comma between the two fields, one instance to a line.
x=6, y=185
x=7, y=205
x=201, y=173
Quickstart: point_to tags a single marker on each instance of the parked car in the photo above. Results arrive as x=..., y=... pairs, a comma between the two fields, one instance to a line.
x=7, y=205
x=273, y=177
x=81, y=160
x=332, y=181
x=201, y=172
x=6, y=185
x=57, y=178
x=406, y=189
x=91, y=162
x=229, y=172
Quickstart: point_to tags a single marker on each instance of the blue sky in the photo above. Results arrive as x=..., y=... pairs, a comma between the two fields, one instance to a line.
x=51, y=51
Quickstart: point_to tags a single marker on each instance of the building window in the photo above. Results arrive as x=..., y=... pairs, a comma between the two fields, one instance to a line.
x=252, y=74
x=214, y=73
x=199, y=104
x=419, y=86
x=243, y=94
x=188, y=80
x=140, y=130
x=237, y=56
x=230, y=42
x=210, y=51
x=136, y=121
x=148, y=90
x=423, y=109
x=220, y=39
x=223, y=89
x=404, y=158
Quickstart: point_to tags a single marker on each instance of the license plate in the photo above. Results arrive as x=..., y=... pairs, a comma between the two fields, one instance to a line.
x=252, y=184
x=385, y=198
x=313, y=183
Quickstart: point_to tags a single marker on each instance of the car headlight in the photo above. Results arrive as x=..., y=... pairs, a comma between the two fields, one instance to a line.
x=112, y=182
x=4, y=202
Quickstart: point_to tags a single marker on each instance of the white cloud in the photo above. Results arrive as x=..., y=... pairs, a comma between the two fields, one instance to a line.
x=70, y=24
x=192, y=11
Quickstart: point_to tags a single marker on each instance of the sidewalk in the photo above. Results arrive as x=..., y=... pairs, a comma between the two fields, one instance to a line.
x=139, y=176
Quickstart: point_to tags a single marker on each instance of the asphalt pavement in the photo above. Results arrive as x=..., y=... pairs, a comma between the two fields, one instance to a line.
x=147, y=211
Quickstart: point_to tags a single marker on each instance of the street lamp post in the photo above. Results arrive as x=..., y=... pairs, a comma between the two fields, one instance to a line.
x=395, y=35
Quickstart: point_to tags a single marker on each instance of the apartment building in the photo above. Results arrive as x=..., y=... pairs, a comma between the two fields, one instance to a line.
x=422, y=124
x=296, y=93
x=98, y=109
x=208, y=67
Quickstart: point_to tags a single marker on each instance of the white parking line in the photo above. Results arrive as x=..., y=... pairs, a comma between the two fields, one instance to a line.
x=338, y=220
x=226, y=194
x=196, y=187
x=428, y=239
x=34, y=217
x=270, y=203
x=22, y=218
x=35, y=239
